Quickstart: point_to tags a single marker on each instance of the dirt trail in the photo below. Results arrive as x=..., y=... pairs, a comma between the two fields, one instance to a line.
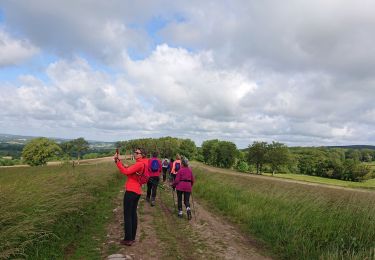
x=161, y=235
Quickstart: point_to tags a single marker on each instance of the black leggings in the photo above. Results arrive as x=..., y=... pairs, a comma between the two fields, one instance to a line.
x=186, y=199
x=130, y=214
x=152, y=185
x=164, y=173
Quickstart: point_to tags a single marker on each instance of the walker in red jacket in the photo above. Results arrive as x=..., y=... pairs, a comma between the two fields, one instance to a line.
x=132, y=193
x=154, y=170
x=183, y=183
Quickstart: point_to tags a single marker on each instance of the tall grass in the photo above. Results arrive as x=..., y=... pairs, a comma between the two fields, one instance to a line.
x=367, y=184
x=44, y=209
x=295, y=221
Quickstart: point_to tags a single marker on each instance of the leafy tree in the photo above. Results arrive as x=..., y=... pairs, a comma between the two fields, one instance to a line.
x=226, y=154
x=277, y=156
x=353, y=154
x=209, y=151
x=360, y=172
x=366, y=155
x=39, y=150
x=67, y=148
x=165, y=146
x=258, y=155
x=188, y=148
x=80, y=145
x=199, y=156
x=219, y=153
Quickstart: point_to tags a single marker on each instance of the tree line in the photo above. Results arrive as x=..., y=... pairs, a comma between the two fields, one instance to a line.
x=337, y=163
x=258, y=157
x=166, y=147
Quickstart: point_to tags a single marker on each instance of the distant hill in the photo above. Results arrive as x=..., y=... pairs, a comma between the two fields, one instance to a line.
x=22, y=140
x=358, y=147
x=371, y=147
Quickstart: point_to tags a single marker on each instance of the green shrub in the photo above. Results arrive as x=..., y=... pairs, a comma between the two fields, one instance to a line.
x=6, y=162
x=242, y=166
x=90, y=156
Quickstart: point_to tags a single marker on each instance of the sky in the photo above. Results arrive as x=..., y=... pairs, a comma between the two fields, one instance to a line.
x=297, y=72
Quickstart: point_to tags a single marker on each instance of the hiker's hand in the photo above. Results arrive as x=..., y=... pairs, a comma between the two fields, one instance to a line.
x=115, y=158
x=126, y=165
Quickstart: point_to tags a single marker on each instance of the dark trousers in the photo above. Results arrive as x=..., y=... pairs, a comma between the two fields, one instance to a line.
x=173, y=176
x=164, y=174
x=186, y=199
x=130, y=214
x=152, y=186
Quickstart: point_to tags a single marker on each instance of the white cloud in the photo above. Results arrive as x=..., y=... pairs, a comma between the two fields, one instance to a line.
x=291, y=71
x=67, y=28
x=189, y=83
x=14, y=51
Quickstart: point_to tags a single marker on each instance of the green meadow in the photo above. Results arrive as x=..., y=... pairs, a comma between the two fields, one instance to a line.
x=367, y=184
x=293, y=220
x=60, y=212
x=55, y=212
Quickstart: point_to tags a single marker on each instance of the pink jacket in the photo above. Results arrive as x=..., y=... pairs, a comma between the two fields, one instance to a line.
x=184, y=179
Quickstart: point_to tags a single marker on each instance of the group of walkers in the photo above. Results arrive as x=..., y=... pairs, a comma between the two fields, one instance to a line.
x=147, y=171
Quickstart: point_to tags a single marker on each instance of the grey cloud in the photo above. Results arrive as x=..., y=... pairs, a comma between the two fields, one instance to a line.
x=98, y=29
x=284, y=36
x=14, y=51
x=292, y=71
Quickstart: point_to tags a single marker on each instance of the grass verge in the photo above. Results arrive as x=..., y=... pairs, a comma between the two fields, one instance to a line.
x=53, y=212
x=368, y=184
x=295, y=221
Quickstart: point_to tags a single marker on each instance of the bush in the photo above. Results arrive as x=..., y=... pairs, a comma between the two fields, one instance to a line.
x=91, y=156
x=39, y=150
x=6, y=162
x=242, y=166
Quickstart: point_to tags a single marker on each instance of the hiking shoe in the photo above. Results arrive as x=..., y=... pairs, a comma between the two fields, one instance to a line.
x=126, y=242
x=188, y=213
x=179, y=214
x=152, y=203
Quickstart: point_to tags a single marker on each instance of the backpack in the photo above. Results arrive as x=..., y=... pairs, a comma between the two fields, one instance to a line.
x=177, y=166
x=143, y=177
x=165, y=164
x=154, y=165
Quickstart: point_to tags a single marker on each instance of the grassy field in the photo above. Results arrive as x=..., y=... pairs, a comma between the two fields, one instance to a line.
x=368, y=184
x=294, y=221
x=52, y=212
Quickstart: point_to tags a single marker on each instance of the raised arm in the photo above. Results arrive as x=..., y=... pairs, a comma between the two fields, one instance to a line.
x=137, y=167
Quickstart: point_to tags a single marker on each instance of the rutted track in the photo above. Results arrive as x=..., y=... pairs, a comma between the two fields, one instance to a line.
x=162, y=235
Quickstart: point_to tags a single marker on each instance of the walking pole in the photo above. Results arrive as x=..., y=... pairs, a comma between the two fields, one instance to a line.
x=174, y=202
x=192, y=200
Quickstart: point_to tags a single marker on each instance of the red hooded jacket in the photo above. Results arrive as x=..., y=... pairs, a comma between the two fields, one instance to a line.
x=132, y=183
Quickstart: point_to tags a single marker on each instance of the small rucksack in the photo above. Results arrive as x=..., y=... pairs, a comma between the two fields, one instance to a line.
x=165, y=164
x=154, y=165
x=177, y=166
x=143, y=177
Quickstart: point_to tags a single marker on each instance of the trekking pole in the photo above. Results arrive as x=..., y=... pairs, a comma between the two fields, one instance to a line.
x=192, y=201
x=174, y=202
